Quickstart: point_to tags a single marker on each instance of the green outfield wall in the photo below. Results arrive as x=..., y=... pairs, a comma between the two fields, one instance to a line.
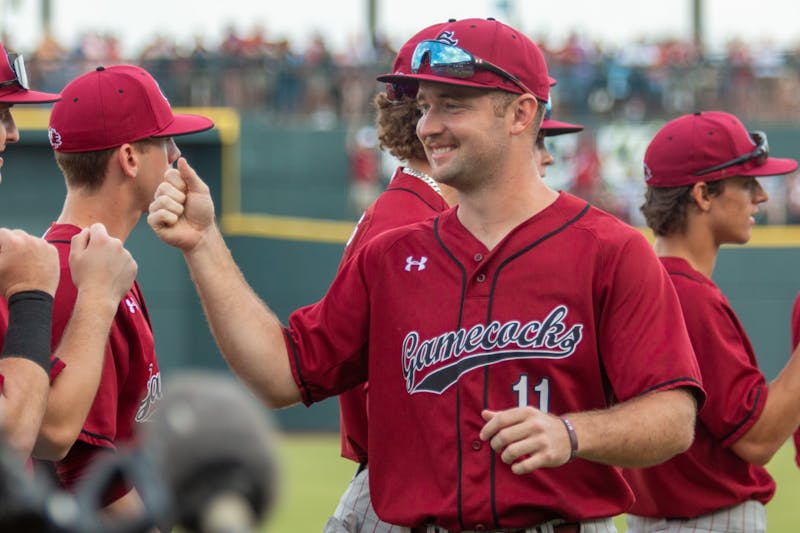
x=281, y=198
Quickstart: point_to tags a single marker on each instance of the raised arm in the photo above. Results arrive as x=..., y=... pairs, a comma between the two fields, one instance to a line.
x=640, y=432
x=779, y=419
x=103, y=272
x=29, y=275
x=247, y=332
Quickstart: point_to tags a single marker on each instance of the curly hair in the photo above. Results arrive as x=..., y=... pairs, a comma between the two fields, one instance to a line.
x=397, y=127
x=666, y=209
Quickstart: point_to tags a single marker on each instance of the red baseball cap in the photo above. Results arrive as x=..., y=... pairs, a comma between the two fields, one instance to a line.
x=551, y=128
x=111, y=106
x=687, y=149
x=492, y=42
x=13, y=82
x=402, y=63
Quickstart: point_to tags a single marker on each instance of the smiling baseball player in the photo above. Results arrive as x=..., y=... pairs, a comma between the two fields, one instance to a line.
x=516, y=347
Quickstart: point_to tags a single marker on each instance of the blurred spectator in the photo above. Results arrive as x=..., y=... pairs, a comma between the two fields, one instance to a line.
x=647, y=81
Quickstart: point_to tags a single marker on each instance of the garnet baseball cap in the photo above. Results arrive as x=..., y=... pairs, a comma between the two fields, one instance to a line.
x=551, y=128
x=492, y=42
x=111, y=106
x=684, y=149
x=402, y=63
x=12, y=81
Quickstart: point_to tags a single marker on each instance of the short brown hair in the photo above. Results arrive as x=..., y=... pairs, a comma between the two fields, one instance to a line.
x=397, y=127
x=666, y=209
x=87, y=170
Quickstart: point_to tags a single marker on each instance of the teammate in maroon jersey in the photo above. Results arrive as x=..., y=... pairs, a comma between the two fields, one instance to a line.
x=29, y=276
x=113, y=139
x=516, y=347
x=412, y=196
x=28, y=279
x=702, y=192
x=795, y=342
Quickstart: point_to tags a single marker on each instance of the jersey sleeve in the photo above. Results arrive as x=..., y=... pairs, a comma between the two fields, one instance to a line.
x=100, y=426
x=737, y=390
x=643, y=340
x=326, y=341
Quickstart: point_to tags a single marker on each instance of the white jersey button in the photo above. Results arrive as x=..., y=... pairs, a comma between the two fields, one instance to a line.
x=481, y=277
x=477, y=445
x=478, y=258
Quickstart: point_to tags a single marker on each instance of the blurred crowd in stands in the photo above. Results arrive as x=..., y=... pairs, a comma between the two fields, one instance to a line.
x=640, y=83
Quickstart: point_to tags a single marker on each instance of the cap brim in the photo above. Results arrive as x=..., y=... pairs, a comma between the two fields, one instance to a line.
x=185, y=124
x=461, y=82
x=551, y=128
x=18, y=95
x=774, y=166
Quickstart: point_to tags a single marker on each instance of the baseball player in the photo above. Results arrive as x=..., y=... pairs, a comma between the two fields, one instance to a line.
x=113, y=139
x=412, y=196
x=702, y=191
x=504, y=341
x=795, y=342
x=29, y=276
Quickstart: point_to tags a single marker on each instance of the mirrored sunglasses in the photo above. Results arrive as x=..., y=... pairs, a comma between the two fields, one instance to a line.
x=21, y=75
x=760, y=155
x=453, y=62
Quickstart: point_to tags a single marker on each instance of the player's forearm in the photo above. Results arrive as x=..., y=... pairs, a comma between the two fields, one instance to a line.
x=82, y=349
x=638, y=433
x=23, y=403
x=779, y=418
x=247, y=332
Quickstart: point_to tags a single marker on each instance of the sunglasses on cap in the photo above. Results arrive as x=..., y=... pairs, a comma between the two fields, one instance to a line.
x=760, y=155
x=21, y=75
x=398, y=91
x=453, y=62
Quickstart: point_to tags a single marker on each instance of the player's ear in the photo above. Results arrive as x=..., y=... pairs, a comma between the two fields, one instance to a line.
x=701, y=196
x=128, y=159
x=524, y=108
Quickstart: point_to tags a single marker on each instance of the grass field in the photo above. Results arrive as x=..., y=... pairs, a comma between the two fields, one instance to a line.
x=314, y=477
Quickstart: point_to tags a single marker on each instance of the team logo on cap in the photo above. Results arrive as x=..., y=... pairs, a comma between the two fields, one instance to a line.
x=54, y=137
x=648, y=174
x=448, y=37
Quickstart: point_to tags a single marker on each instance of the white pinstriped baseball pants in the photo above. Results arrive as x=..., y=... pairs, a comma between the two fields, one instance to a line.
x=355, y=514
x=747, y=517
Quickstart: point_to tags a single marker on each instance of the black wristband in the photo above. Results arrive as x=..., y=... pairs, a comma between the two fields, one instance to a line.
x=573, y=439
x=30, y=322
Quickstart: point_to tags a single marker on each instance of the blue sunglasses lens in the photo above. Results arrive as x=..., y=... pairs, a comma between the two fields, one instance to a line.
x=443, y=59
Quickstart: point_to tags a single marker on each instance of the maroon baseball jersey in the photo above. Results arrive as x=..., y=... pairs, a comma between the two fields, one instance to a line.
x=571, y=311
x=406, y=200
x=795, y=342
x=710, y=476
x=130, y=384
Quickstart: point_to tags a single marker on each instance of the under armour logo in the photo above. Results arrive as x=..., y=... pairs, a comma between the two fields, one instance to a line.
x=447, y=37
x=419, y=264
x=131, y=305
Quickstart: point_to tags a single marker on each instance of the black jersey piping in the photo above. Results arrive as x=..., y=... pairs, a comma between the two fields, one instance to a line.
x=297, y=366
x=415, y=193
x=748, y=417
x=493, y=486
x=459, y=454
x=96, y=436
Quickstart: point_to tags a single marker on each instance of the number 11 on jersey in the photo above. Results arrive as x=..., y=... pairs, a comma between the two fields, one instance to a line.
x=542, y=389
